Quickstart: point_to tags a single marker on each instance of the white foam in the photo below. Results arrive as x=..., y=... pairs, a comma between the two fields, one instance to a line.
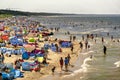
x=117, y=64
x=96, y=30
x=87, y=52
x=82, y=69
x=74, y=73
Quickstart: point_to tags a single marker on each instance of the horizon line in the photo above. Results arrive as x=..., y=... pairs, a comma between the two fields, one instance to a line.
x=65, y=12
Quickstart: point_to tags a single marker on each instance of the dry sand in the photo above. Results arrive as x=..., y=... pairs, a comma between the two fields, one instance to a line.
x=53, y=59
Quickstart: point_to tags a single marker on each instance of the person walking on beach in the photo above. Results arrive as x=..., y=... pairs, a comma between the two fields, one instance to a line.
x=66, y=61
x=61, y=62
x=72, y=48
x=86, y=44
x=104, y=50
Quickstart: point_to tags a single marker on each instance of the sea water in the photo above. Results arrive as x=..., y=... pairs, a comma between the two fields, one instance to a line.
x=100, y=67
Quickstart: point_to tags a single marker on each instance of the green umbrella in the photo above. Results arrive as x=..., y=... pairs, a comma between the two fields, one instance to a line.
x=31, y=40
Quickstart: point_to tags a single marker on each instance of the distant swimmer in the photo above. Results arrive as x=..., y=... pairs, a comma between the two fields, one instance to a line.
x=104, y=49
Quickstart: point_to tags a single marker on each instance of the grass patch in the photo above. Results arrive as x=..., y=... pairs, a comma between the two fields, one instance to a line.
x=5, y=15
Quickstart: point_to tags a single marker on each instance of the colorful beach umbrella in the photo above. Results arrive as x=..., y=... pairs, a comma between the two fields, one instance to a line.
x=40, y=59
x=29, y=47
x=31, y=40
x=5, y=37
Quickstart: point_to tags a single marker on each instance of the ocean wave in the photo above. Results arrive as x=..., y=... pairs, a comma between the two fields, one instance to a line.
x=83, y=68
x=85, y=53
x=117, y=64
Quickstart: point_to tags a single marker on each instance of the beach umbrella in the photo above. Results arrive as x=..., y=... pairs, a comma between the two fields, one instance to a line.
x=31, y=40
x=40, y=59
x=40, y=36
x=5, y=37
x=29, y=47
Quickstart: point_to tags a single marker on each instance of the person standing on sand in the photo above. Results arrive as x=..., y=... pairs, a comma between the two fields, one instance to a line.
x=66, y=61
x=69, y=58
x=104, y=50
x=72, y=48
x=61, y=62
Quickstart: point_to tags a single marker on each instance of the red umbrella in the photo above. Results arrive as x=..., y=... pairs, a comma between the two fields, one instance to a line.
x=5, y=37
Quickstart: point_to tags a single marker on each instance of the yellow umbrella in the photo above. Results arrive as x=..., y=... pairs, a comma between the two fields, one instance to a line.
x=40, y=59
